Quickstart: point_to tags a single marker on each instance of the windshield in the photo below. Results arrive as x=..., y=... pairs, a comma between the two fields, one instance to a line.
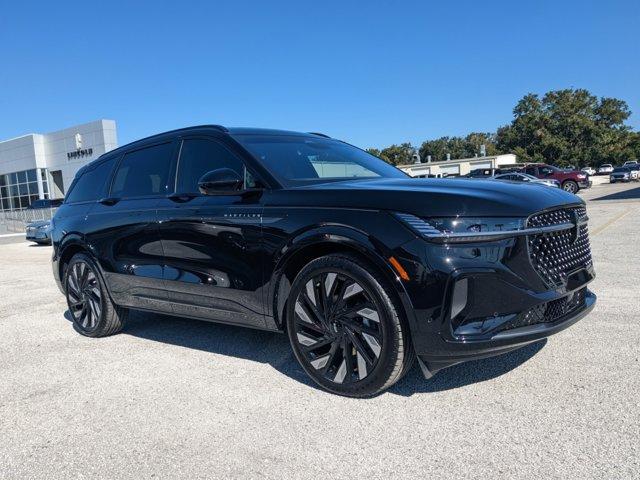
x=301, y=160
x=621, y=170
x=527, y=176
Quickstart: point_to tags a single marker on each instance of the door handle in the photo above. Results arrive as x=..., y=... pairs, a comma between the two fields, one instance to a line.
x=181, y=197
x=109, y=201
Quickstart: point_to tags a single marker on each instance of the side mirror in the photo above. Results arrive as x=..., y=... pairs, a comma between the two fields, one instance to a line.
x=222, y=181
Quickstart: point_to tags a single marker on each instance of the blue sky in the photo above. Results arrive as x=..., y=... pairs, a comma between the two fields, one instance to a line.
x=369, y=72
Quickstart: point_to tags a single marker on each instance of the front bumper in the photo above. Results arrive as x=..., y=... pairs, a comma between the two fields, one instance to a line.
x=502, y=341
x=506, y=303
x=585, y=184
x=37, y=235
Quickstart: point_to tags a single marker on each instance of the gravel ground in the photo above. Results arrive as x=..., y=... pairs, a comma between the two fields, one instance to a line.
x=178, y=398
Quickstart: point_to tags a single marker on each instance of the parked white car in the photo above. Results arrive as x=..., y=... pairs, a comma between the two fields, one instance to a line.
x=523, y=177
x=589, y=170
x=605, y=168
x=634, y=171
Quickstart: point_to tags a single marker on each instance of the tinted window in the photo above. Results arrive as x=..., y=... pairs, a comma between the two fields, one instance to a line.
x=90, y=186
x=199, y=156
x=143, y=172
x=300, y=160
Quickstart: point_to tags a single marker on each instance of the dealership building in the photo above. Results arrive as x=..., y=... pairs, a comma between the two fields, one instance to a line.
x=42, y=165
x=457, y=167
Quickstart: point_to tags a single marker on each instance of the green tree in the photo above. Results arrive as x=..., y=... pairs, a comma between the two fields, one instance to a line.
x=395, y=154
x=458, y=147
x=568, y=127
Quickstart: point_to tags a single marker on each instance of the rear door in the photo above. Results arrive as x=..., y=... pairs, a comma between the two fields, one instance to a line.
x=124, y=229
x=212, y=244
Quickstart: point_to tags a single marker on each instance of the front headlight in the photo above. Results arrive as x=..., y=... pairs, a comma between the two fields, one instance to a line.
x=466, y=229
x=44, y=226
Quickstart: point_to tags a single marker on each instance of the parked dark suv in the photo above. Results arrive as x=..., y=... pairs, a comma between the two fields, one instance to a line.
x=362, y=266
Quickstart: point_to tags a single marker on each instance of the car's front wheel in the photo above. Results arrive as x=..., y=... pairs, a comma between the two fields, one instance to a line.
x=570, y=186
x=345, y=329
x=93, y=312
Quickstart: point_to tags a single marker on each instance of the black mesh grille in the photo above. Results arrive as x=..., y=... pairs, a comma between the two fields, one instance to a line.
x=548, y=312
x=554, y=255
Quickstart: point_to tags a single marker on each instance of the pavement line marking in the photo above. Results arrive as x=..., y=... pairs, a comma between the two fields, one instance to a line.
x=609, y=223
x=12, y=235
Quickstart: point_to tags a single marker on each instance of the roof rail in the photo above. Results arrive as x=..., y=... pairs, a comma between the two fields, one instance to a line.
x=220, y=127
x=319, y=134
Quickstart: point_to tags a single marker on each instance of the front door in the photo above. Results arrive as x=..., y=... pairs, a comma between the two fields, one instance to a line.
x=213, y=261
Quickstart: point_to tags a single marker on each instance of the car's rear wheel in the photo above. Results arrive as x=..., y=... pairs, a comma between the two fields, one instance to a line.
x=93, y=312
x=345, y=329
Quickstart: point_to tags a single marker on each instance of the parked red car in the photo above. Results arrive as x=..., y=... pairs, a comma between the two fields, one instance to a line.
x=570, y=180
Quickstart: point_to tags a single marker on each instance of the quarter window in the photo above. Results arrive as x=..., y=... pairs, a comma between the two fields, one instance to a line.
x=143, y=172
x=90, y=185
x=199, y=156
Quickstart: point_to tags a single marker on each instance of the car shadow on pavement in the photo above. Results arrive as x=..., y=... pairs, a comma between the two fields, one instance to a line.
x=466, y=373
x=255, y=345
x=632, y=193
x=273, y=348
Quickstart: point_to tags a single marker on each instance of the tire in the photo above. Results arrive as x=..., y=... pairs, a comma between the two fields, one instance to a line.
x=570, y=186
x=93, y=312
x=345, y=329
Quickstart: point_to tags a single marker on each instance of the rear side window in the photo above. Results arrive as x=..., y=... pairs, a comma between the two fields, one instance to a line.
x=90, y=186
x=143, y=172
x=199, y=156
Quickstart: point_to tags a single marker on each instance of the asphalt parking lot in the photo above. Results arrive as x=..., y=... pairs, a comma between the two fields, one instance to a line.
x=171, y=397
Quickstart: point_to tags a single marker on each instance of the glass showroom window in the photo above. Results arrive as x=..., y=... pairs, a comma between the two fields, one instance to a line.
x=19, y=189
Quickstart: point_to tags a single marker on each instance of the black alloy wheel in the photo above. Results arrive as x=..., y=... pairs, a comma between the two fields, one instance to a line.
x=344, y=329
x=84, y=296
x=92, y=310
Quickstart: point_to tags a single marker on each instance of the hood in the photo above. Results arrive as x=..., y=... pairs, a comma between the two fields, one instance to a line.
x=428, y=197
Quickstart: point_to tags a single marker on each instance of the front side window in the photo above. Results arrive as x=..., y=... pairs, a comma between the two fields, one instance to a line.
x=301, y=160
x=143, y=172
x=90, y=185
x=199, y=156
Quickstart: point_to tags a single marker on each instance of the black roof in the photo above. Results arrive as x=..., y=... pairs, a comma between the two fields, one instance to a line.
x=268, y=131
x=221, y=130
x=212, y=127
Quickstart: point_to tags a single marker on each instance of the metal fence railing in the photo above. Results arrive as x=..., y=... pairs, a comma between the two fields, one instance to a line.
x=15, y=221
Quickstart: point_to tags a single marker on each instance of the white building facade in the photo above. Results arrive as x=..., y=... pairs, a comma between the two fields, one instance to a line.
x=42, y=166
x=460, y=166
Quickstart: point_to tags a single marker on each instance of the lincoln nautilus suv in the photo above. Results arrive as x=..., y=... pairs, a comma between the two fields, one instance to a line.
x=365, y=269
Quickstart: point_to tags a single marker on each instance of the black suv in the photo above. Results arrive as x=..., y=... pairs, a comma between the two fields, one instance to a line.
x=363, y=267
